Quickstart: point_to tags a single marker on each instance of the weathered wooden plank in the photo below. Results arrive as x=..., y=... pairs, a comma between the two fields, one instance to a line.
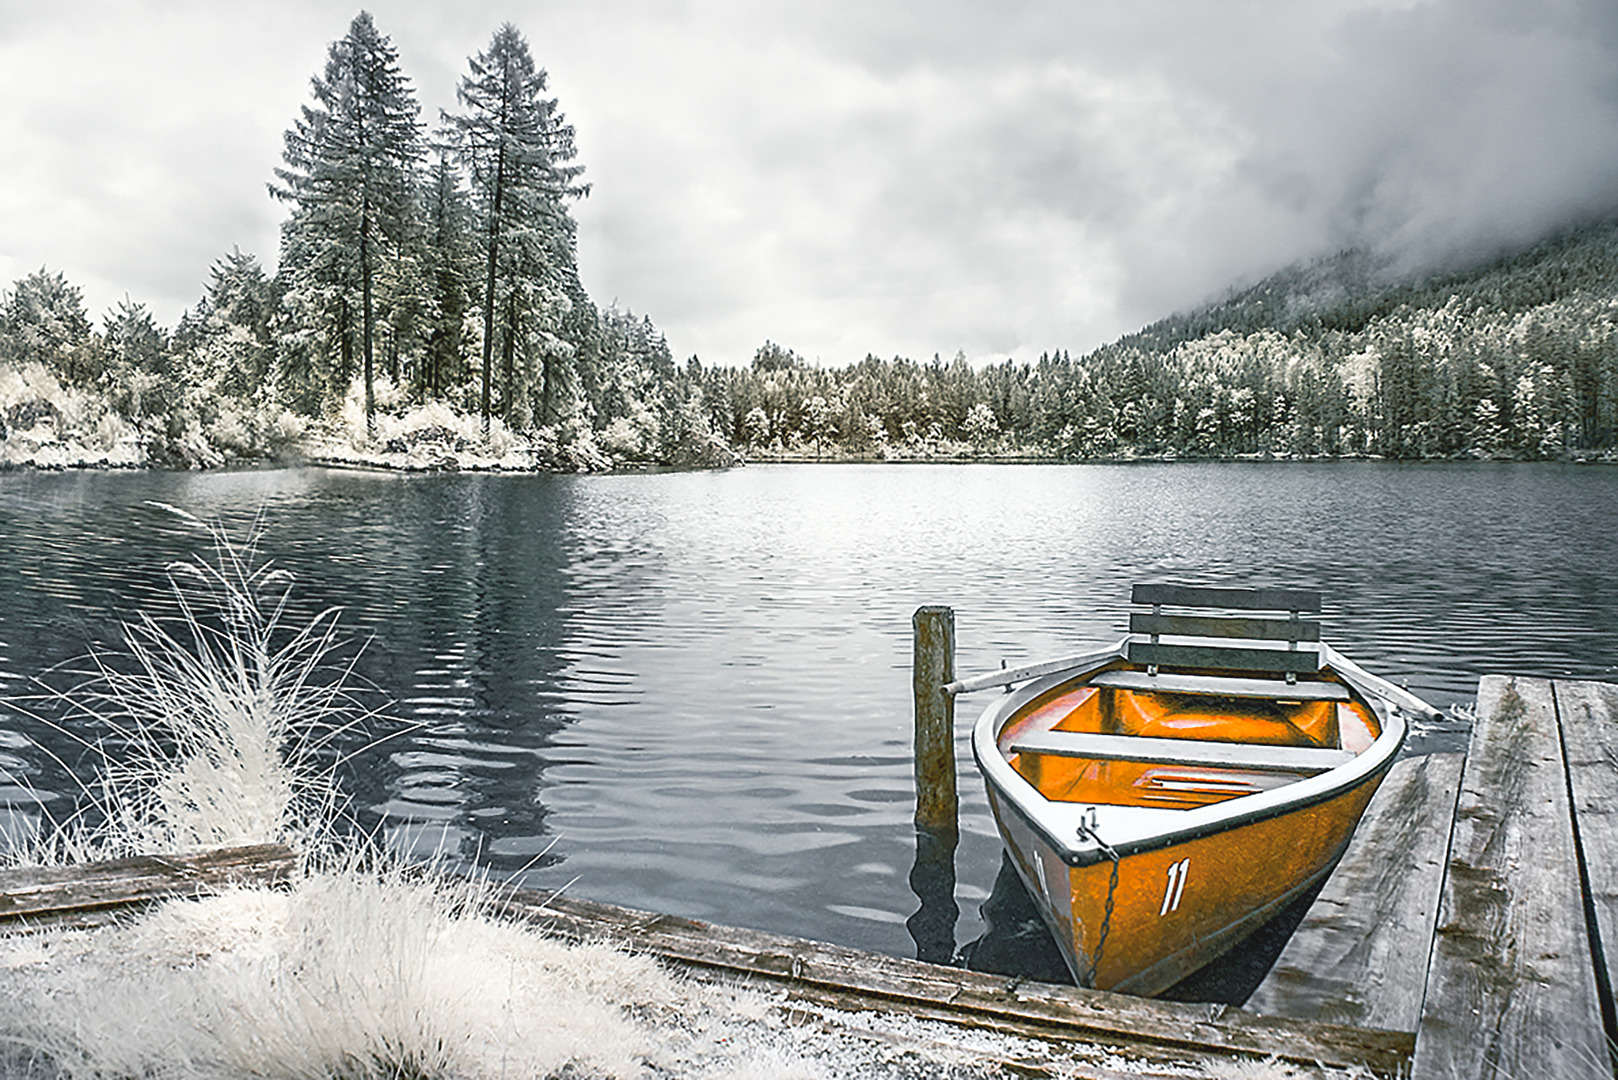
x=1235, y=599
x=1360, y=955
x=1035, y=1057
x=1213, y=656
x=1253, y=628
x=33, y=895
x=848, y=978
x=1511, y=987
x=1223, y=686
x=1588, y=713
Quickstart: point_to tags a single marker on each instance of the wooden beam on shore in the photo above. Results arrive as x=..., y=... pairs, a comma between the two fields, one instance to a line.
x=86, y=894
x=1511, y=989
x=1077, y=1029
x=1360, y=955
x=849, y=979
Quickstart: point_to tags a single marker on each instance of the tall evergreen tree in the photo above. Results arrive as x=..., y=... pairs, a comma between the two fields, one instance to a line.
x=350, y=163
x=517, y=148
x=450, y=269
x=43, y=319
x=140, y=373
x=134, y=340
x=228, y=338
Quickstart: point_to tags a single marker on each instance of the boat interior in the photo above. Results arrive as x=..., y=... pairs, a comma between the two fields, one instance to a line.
x=1176, y=750
x=1189, y=717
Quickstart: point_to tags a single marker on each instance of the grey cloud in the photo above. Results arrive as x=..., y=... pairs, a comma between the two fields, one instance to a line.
x=845, y=177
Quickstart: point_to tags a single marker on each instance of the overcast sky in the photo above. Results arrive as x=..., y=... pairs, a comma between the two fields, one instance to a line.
x=847, y=177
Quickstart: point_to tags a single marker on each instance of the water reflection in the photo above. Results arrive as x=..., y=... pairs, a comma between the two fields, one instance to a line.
x=932, y=879
x=1014, y=941
x=690, y=692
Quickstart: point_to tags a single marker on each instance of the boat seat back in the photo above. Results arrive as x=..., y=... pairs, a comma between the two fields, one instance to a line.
x=1283, y=644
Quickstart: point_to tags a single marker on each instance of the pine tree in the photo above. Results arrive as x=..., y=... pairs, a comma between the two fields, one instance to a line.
x=350, y=162
x=517, y=149
x=228, y=338
x=43, y=321
x=140, y=372
x=450, y=267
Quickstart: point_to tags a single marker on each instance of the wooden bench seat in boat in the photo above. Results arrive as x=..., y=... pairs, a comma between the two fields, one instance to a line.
x=1229, y=755
x=1223, y=686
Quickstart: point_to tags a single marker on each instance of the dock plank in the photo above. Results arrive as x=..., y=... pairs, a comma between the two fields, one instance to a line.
x=1511, y=988
x=1359, y=955
x=1588, y=713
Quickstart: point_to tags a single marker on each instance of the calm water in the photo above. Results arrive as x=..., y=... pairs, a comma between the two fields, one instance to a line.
x=690, y=692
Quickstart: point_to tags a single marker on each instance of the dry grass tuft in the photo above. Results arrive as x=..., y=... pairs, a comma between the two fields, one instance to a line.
x=207, y=730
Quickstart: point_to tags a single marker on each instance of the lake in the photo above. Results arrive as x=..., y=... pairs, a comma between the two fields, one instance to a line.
x=689, y=692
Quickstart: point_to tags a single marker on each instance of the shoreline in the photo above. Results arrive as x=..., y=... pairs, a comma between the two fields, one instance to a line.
x=389, y=463
x=514, y=455
x=639, y=468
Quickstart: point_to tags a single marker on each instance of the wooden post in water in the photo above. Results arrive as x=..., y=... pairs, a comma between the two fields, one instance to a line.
x=934, y=666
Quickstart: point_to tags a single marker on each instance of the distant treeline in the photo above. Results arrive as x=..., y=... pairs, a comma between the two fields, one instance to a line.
x=1517, y=359
x=441, y=271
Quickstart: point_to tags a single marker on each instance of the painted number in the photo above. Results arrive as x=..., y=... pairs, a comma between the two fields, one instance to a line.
x=1175, y=887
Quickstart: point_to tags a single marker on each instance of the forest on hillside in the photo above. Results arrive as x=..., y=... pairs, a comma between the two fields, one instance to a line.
x=1517, y=358
x=427, y=308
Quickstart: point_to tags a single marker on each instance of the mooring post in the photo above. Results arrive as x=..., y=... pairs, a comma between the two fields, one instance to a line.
x=934, y=666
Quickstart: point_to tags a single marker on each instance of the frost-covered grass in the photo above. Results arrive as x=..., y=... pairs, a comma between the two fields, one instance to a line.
x=362, y=967
x=206, y=730
x=351, y=973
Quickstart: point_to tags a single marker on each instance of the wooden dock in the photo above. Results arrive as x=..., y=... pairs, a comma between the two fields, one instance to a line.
x=1468, y=932
x=1476, y=906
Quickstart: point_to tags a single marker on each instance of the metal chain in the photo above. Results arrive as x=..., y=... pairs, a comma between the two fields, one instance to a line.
x=1089, y=829
x=1106, y=923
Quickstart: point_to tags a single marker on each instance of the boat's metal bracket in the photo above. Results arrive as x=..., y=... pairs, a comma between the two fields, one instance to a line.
x=1087, y=831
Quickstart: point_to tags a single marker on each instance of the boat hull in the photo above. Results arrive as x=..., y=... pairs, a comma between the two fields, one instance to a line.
x=1178, y=907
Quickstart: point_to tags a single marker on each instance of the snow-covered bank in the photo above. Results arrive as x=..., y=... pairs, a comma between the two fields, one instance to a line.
x=48, y=426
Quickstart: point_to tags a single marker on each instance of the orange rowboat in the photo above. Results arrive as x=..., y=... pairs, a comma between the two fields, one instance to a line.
x=1164, y=798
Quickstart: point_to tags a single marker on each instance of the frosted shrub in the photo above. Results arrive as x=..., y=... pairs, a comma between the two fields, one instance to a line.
x=625, y=439
x=56, y=426
x=230, y=432
x=350, y=974
x=211, y=718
